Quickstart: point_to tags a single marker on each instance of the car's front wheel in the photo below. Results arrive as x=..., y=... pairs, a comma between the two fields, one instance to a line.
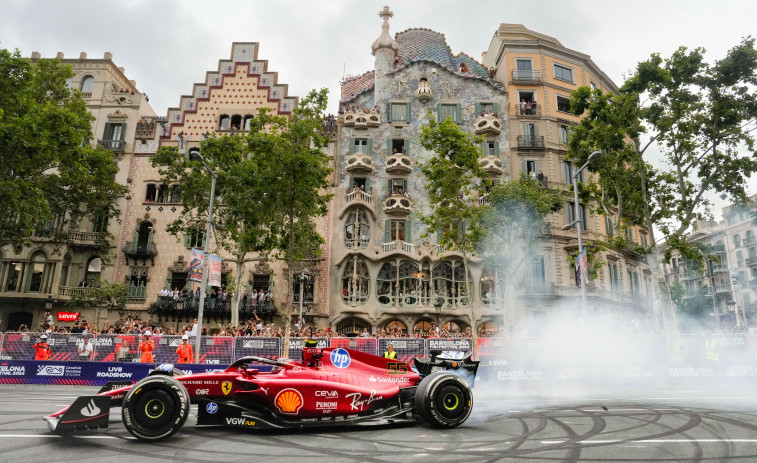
x=444, y=400
x=155, y=408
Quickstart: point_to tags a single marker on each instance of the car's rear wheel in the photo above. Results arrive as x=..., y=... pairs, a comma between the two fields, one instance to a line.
x=155, y=408
x=444, y=400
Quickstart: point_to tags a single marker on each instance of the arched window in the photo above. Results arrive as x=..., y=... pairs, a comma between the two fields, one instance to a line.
x=87, y=85
x=423, y=327
x=352, y=326
x=37, y=272
x=395, y=328
x=399, y=285
x=236, y=122
x=355, y=282
x=94, y=268
x=357, y=231
x=386, y=284
x=425, y=283
x=144, y=234
x=492, y=287
x=454, y=328
x=488, y=329
x=224, y=122
x=449, y=283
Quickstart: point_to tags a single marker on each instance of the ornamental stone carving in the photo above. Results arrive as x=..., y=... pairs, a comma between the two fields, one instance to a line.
x=492, y=165
x=488, y=125
x=399, y=163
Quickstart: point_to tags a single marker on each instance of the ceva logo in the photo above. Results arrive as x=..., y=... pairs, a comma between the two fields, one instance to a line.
x=211, y=408
x=50, y=370
x=340, y=358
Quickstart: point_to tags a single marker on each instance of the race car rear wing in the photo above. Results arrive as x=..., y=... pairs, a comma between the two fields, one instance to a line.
x=456, y=362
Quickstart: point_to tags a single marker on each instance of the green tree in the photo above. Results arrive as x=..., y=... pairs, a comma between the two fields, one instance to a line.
x=513, y=224
x=245, y=221
x=295, y=173
x=50, y=178
x=454, y=181
x=702, y=118
x=101, y=295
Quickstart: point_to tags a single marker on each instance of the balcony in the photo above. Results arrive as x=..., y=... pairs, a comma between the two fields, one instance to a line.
x=751, y=261
x=399, y=163
x=398, y=204
x=531, y=142
x=526, y=75
x=483, y=199
x=359, y=195
x=359, y=163
x=527, y=110
x=87, y=238
x=488, y=125
x=140, y=250
x=360, y=119
x=168, y=306
x=398, y=245
x=117, y=146
x=492, y=165
x=68, y=291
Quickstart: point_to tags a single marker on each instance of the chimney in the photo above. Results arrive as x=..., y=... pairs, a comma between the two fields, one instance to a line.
x=59, y=55
x=123, y=71
x=134, y=83
x=108, y=55
x=36, y=55
x=83, y=55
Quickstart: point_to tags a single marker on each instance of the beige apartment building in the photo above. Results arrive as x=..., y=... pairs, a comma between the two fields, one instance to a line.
x=29, y=275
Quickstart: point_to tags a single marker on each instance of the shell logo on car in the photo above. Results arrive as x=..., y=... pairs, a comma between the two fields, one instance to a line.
x=289, y=401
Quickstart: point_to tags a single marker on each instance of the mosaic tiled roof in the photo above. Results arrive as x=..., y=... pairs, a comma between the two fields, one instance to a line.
x=353, y=86
x=427, y=45
x=419, y=45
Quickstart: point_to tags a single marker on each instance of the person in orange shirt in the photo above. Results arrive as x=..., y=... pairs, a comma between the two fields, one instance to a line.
x=42, y=349
x=146, y=346
x=185, y=350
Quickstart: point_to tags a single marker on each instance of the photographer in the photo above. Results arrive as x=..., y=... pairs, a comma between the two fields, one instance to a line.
x=85, y=349
x=41, y=349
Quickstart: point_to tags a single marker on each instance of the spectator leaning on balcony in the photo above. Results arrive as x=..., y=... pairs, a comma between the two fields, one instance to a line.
x=85, y=348
x=185, y=350
x=146, y=346
x=41, y=349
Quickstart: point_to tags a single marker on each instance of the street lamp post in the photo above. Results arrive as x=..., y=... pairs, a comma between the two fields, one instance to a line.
x=438, y=302
x=49, y=302
x=195, y=155
x=578, y=222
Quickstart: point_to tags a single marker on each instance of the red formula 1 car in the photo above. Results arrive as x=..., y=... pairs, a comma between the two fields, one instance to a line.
x=331, y=386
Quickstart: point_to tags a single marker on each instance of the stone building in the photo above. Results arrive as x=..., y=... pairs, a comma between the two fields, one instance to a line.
x=30, y=274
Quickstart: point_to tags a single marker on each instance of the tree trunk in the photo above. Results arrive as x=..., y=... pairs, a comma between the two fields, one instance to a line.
x=237, y=292
x=472, y=313
x=290, y=298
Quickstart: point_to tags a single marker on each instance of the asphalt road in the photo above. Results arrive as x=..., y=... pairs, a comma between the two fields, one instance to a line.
x=662, y=424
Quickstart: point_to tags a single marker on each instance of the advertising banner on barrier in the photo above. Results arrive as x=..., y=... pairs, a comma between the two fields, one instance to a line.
x=257, y=347
x=461, y=344
x=296, y=345
x=407, y=348
x=367, y=345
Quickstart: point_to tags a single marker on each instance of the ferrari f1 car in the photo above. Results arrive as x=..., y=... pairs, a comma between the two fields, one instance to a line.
x=331, y=386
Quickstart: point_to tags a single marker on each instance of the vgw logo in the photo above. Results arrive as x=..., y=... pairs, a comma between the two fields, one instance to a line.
x=340, y=358
x=50, y=370
x=211, y=408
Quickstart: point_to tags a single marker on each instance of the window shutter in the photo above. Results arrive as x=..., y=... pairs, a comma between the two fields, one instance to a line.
x=149, y=237
x=525, y=167
x=389, y=112
x=536, y=166
x=390, y=184
x=123, y=131
x=368, y=184
x=496, y=148
x=187, y=240
x=387, y=230
x=404, y=184
x=458, y=113
x=496, y=109
x=439, y=236
x=388, y=146
x=369, y=147
x=106, y=132
x=477, y=109
x=168, y=284
x=569, y=208
x=408, y=236
x=439, y=112
x=135, y=240
x=352, y=145
x=407, y=111
x=406, y=145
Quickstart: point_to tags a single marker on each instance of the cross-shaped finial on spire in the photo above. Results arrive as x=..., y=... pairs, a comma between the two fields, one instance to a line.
x=386, y=13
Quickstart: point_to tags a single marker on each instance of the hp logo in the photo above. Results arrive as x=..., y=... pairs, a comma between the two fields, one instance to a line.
x=211, y=408
x=340, y=358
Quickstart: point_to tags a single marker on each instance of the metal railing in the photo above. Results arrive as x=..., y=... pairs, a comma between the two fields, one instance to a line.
x=526, y=75
x=140, y=249
x=87, y=237
x=359, y=194
x=531, y=141
x=117, y=146
x=532, y=109
x=72, y=292
x=398, y=244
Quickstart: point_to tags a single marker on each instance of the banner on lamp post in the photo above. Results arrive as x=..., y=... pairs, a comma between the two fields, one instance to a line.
x=195, y=265
x=582, y=268
x=214, y=276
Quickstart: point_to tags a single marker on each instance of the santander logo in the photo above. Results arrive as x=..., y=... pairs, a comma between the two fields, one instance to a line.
x=90, y=410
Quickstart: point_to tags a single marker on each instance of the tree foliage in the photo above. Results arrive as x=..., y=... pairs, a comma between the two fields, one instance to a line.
x=102, y=294
x=454, y=181
x=50, y=178
x=513, y=224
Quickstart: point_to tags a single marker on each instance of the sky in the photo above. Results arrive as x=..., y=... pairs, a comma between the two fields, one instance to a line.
x=167, y=45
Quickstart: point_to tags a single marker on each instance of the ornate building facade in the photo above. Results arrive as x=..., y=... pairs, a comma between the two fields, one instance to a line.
x=30, y=274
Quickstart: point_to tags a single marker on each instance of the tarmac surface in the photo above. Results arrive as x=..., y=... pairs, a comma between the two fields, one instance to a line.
x=710, y=423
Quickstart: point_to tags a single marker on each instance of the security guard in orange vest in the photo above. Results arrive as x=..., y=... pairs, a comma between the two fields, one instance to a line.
x=390, y=353
x=42, y=349
x=185, y=350
x=146, y=346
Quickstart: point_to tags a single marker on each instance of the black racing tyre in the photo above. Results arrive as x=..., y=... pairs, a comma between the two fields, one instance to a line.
x=155, y=408
x=443, y=400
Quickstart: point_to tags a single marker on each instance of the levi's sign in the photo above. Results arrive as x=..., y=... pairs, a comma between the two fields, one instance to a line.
x=68, y=316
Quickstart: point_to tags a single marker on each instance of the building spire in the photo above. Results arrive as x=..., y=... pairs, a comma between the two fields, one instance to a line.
x=385, y=40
